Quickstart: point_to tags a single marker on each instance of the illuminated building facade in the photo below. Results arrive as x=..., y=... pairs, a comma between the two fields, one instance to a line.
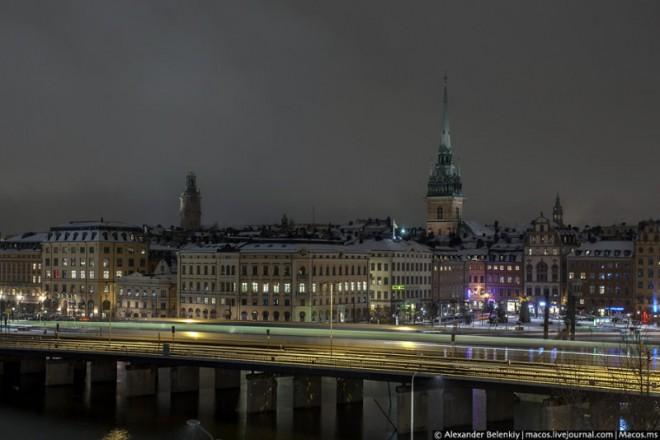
x=82, y=261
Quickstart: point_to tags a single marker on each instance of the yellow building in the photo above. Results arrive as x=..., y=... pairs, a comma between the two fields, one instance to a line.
x=82, y=261
x=20, y=275
x=303, y=282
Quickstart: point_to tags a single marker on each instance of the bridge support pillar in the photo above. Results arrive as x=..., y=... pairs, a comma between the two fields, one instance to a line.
x=349, y=390
x=420, y=400
x=543, y=412
x=59, y=372
x=479, y=409
x=227, y=379
x=261, y=392
x=102, y=371
x=141, y=380
x=184, y=379
x=306, y=391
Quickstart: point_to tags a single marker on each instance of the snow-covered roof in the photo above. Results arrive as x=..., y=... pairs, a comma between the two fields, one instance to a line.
x=95, y=231
x=27, y=237
x=478, y=229
x=281, y=247
x=390, y=245
x=605, y=248
x=210, y=248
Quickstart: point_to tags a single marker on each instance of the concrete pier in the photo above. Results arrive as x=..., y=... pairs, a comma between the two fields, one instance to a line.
x=349, y=390
x=59, y=372
x=421, y=407
x=544, y=412
x=306, y=392
x=439, y=405
x=184, y=379
x=261, y=392
x=479, y=409
x=141, y=380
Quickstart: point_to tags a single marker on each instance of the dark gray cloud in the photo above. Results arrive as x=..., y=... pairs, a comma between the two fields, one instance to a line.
x=333, y=106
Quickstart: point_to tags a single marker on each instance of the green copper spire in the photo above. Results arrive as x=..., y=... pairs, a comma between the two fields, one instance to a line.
x=445, y=178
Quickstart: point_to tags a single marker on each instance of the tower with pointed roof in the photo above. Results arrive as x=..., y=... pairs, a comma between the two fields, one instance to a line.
x=190, y=205
x=558, y=213
x=444, y=196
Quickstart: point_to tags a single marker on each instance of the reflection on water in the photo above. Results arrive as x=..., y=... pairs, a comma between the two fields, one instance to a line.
x=102, y=412
x=117, y=434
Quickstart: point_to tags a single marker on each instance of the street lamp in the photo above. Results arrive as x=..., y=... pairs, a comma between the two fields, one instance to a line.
x=574, y=293
x=196, y=424
x=412, y=406
x=331, y=303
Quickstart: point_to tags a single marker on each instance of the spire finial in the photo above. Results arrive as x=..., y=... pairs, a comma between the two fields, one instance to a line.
x=445, y=140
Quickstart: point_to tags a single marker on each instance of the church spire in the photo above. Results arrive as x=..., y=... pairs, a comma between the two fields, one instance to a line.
x=445, y=139
x=558, y=212
x=445, y=178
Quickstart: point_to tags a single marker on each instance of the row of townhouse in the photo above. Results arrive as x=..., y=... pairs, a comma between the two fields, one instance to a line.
x=607, y=274
x=305, y=282
x=109, y=269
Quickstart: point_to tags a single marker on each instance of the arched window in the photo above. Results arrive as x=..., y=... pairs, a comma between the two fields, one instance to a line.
x=542, y=272
x=529, y=270
x=555, y=273
x=439, y=213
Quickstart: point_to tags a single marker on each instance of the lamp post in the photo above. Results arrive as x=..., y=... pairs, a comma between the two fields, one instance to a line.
x=412, y=406
x=331, y=303
x=575, y=292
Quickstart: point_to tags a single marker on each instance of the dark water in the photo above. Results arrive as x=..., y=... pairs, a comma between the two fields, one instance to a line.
x=102, y=412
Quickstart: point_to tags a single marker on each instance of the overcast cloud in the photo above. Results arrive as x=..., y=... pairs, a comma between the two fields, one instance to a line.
x=290, y=106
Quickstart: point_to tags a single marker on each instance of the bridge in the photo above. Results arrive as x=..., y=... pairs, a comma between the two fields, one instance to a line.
x=462, y=362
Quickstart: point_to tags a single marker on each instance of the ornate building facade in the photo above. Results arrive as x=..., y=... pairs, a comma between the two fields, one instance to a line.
x=444, y=197
x=147, y=296
x=547, y=246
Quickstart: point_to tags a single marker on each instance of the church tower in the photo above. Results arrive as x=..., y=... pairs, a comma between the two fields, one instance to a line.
x=558, y=213
x=190, y=205
x=444, y=197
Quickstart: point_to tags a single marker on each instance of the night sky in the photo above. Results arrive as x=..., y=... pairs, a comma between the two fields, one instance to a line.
x=283, y=106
